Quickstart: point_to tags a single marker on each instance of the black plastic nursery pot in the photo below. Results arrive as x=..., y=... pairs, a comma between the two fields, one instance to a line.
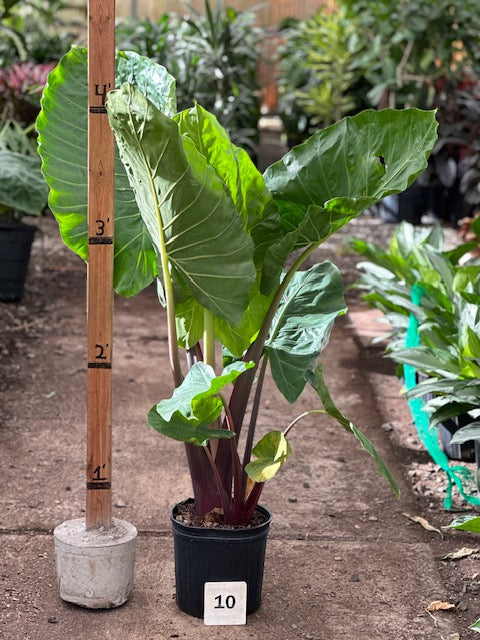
x=446, y=430
x=15, y=246
x=218, y=555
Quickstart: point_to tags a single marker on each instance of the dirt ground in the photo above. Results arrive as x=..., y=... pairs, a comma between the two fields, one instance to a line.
x=343, y=559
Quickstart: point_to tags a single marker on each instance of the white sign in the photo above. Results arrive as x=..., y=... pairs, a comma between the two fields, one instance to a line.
x=225, y=603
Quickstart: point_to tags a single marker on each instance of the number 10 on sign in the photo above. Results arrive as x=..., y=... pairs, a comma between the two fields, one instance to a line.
x=225, y=603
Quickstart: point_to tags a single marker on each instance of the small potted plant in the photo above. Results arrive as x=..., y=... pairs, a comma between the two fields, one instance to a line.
x=23, y=191
x=221, y=233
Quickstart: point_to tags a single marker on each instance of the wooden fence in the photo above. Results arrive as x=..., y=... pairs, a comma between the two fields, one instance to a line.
x=269, y=12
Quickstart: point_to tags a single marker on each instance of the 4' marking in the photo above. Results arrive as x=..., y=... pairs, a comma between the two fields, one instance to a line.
x=103, y=94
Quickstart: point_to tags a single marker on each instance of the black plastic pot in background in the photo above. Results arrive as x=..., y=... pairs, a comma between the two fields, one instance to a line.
x=218, y=555
x=446, y=429
x=15, y=246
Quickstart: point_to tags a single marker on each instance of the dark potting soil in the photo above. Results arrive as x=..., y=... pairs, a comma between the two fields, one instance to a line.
x=186, y=514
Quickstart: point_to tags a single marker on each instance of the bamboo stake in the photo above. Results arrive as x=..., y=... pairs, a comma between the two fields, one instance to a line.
x=101, y=79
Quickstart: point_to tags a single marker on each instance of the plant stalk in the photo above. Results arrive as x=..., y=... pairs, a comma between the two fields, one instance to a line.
x=243, y=385
x=300, y=417
x=253, y=421
x=208, y=338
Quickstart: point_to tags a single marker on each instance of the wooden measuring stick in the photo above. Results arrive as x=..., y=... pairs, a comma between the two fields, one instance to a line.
x=101, y=79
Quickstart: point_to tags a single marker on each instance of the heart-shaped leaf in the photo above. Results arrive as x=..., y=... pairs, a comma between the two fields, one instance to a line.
x=195, y=405
x=302, y=325
x=272, y=452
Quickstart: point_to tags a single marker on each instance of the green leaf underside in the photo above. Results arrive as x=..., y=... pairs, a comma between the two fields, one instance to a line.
x=234, y=337
x=302, y=326
x=469, y=432
x=271, y=452
x=254, y=207
x=62, y=128
x=22, y=186
x=195, y=405
x=244, y=182
x=184, y=205
x=317, y=381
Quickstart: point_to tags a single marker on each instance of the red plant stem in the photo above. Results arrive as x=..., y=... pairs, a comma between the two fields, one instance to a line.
x=238, y=492
x=253, y=420
x=224, y=498
x=204, y=484
x=252, y=501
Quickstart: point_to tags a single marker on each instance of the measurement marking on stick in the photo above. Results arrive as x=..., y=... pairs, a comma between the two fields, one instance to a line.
x=96, y=485
x=99, y=109
x=100, y=240
x=99, y=365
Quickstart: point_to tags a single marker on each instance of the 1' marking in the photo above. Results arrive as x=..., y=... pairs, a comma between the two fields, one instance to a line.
x=98, y=485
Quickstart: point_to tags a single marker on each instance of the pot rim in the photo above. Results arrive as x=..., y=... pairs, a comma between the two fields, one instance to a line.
x=237, y=533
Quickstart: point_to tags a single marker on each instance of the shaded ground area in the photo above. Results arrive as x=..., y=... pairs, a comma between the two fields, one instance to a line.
x=343, y=559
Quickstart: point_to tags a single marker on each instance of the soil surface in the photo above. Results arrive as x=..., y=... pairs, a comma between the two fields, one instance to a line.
x=345, y=557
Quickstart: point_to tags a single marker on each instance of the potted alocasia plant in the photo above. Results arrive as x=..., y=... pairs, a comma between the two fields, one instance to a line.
x=220, y=233
x=23, y=192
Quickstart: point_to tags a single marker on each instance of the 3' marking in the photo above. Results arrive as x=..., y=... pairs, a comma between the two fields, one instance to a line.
x=100, y=240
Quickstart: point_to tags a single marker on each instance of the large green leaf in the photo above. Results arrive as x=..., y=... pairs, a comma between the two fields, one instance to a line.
x=195, y=405
x=62, y=128
x=349, y=166
x=22, y=186
x=184, y=205
x=254, y=205
x=316, y=379
x=343, y=169
x=244, y=182
x=302, y=325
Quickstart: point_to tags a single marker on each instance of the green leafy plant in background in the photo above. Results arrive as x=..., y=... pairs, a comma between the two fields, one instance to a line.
x=414, y=44
x=389, y=274
x=321, y=69
x=213, y=56
x=388, y=54
x=32, y=30
x=448, y=315
x=220, y=233
x=23, y=190
x=154, y=39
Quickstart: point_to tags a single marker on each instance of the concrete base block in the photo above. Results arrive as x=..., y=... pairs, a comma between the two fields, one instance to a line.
x=95, y=567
